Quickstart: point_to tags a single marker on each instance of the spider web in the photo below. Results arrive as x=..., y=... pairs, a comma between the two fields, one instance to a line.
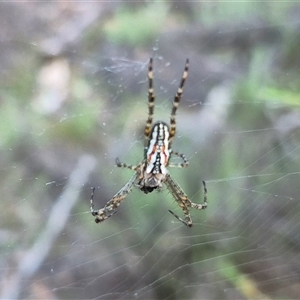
x=74, y=97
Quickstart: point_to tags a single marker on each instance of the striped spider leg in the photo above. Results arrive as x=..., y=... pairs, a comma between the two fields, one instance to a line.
x=152, y=172
x=183, y=201
x=110, y=207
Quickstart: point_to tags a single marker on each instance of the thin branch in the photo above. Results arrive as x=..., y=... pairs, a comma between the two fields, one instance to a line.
x=58, y=217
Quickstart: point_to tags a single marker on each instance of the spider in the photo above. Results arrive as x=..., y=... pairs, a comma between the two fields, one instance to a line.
x=152, y=171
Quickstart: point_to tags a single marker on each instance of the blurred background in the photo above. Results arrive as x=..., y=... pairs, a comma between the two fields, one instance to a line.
x=73, y=97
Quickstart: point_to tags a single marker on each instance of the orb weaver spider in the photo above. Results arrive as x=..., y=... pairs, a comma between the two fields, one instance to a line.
x=152, y=171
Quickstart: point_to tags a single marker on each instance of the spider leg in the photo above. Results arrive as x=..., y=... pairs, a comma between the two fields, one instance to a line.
x=204, y=204
x=110, y=207
x=183, y=201
x=96, y=212
x=185, y=162
x=181, y=220
x=122, y=165
x=151, y=100
x=177, y=100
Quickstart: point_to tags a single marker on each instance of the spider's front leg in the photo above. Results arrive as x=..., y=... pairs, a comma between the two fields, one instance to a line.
x=188, y=220
x=204, y=204
x=183, y=201
x=107, y=211
x=110, y=207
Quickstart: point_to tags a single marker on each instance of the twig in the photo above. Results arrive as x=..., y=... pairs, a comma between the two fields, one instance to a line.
x=58, y=217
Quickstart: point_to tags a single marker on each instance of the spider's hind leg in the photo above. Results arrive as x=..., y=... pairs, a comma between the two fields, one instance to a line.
x=151, y=100
x=177, y=100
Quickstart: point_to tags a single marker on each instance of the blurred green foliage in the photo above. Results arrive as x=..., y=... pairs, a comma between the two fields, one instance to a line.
x=136, y=25
x=249, y=160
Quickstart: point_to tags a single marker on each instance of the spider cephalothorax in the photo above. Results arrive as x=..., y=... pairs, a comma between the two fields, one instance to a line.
x=151, y=173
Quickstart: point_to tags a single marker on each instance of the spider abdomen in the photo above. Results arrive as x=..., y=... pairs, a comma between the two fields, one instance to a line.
x=158, y=151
